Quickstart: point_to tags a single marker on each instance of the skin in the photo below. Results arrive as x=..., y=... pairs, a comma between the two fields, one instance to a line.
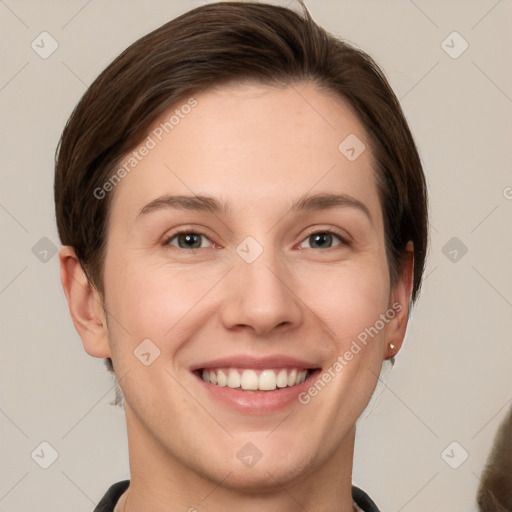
x=258, y=148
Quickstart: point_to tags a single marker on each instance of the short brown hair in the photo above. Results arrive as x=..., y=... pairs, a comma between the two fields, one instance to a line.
x=212, y=45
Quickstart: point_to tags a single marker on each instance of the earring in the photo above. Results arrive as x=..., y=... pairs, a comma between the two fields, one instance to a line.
x=391, y=346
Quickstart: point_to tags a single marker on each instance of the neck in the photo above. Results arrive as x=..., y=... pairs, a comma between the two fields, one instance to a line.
x=160, y=482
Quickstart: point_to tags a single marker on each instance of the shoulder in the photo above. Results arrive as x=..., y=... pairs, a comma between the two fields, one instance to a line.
x=108, y=502
x=363, y=501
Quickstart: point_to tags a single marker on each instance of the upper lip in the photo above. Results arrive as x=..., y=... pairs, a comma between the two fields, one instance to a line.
x=260, y=363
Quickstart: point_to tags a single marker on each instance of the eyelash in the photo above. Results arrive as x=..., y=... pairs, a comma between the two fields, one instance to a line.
x=343, y=240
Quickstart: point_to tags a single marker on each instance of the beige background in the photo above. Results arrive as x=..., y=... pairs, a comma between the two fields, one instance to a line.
x=452, y=379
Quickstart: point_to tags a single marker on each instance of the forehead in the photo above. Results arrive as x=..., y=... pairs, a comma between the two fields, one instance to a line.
x=253, y=145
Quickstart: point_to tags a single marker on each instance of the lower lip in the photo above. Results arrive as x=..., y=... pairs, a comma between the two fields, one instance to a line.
x=258, y=402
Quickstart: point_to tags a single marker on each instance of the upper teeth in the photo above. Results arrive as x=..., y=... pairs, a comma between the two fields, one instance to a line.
x=264, y=380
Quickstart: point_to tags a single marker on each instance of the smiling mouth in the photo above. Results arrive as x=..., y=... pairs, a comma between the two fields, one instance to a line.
x=254, y=380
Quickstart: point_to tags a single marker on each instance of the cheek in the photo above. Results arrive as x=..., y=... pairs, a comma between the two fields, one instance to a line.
x=351, y=299
x=166, y=303
x=158, y=302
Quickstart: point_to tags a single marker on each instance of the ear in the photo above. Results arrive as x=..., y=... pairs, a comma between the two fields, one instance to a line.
x=85, y=305
x=400, y=298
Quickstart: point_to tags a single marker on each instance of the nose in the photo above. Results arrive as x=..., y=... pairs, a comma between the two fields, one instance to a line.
x=260, y=297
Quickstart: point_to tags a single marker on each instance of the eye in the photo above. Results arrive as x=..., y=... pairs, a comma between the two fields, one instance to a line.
x=193, y=240
x=187, y=240
x=323, y=239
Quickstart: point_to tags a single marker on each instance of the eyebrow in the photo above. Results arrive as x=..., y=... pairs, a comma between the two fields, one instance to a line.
x=320, y=201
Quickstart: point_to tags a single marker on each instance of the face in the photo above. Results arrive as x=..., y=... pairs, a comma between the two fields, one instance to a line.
x=271, y=268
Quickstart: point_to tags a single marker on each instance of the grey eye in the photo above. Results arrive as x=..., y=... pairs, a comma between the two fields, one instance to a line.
x=187, y=240
x=322, y=240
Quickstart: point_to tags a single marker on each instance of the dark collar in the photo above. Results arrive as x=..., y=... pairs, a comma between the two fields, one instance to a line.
x=108, y=502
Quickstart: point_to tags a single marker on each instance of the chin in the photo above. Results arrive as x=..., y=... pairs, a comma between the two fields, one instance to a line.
x=265, y=476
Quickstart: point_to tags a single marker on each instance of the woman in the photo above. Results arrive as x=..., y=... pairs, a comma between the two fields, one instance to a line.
x=243, y=215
